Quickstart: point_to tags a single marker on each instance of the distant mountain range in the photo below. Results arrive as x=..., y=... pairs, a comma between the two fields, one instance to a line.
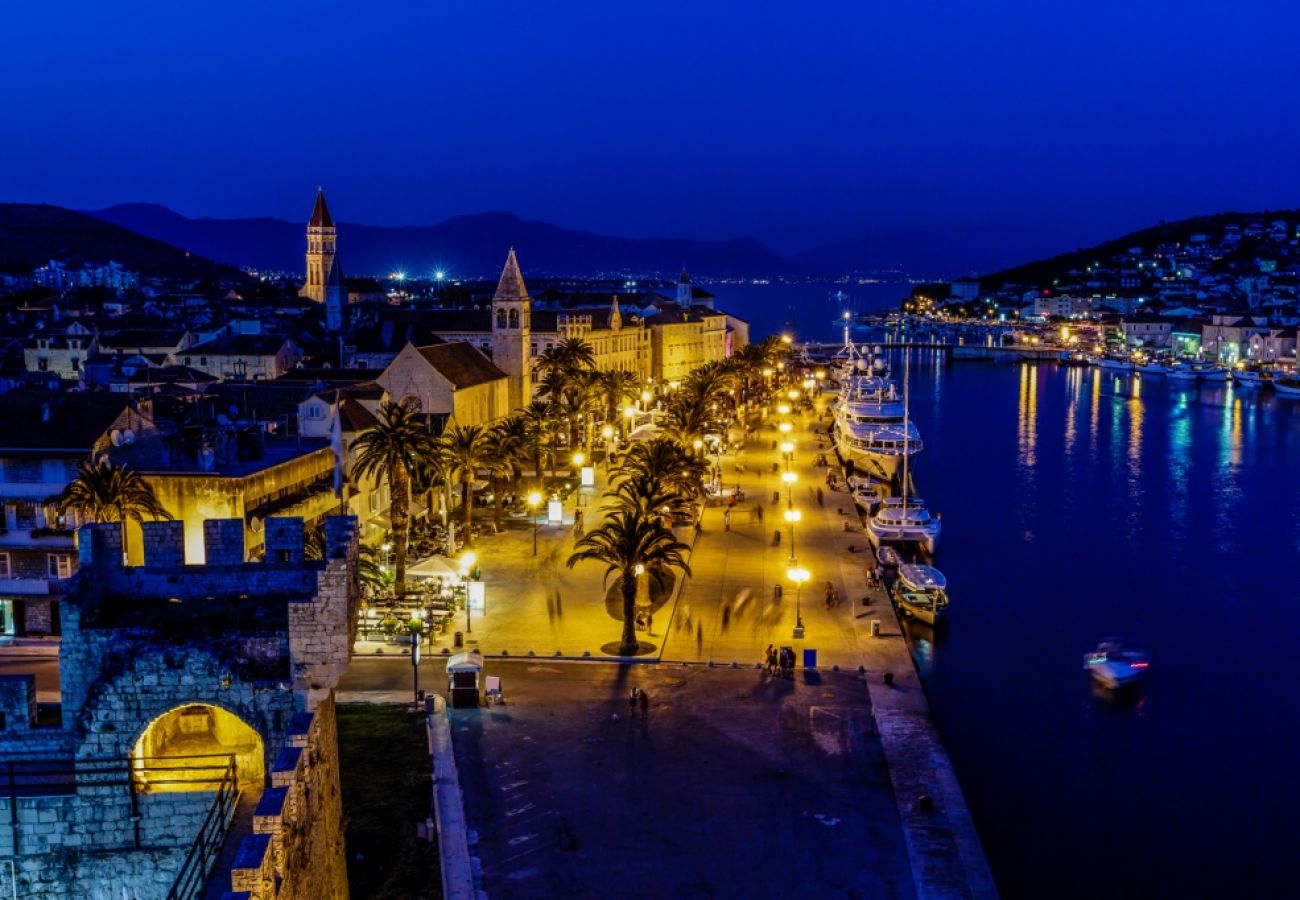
x=474, y=245
x=33, y=234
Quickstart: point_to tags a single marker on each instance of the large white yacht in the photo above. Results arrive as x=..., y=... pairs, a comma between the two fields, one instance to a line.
x=871, y=428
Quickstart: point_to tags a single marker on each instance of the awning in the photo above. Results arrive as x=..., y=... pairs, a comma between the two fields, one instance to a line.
x=471, y=661
x=434, y=567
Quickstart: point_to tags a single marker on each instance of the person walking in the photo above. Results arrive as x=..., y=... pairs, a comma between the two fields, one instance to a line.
x=758, y=511
x=726, y=520
x=631, y=702
x=819, y=497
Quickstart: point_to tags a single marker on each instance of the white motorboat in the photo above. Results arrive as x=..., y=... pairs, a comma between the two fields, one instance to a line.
x=922, y=593
x=905, y=519
x=1252, y=377
x=1115, y=664
x=1112, y=363
x=1183, y=372
x=1154, y=369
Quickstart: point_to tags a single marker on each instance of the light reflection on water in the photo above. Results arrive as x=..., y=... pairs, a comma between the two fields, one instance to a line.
x=1099, y=505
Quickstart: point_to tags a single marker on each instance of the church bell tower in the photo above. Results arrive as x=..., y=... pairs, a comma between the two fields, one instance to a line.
x=321, y=237
x=512, y=332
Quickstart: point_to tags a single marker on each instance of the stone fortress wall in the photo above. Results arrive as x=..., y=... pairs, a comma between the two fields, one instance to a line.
x=258, y=646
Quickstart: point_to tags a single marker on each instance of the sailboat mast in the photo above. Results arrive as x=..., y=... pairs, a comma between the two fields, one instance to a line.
x=907, y=373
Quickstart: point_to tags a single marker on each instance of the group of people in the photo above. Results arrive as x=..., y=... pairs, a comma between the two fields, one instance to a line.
x=781, y=661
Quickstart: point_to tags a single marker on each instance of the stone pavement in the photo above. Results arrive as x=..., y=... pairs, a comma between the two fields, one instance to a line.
x=536, y=605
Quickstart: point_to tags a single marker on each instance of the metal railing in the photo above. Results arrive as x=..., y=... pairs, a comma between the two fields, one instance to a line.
x=24, y=779
x=197, y=867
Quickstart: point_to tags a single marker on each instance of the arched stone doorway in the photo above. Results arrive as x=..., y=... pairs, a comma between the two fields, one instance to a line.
x=185, y=749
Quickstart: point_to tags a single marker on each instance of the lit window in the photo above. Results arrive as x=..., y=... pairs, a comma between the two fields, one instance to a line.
x=59, y=565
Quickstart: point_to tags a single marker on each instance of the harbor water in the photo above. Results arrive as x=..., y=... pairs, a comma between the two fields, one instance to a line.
x=1079, y=505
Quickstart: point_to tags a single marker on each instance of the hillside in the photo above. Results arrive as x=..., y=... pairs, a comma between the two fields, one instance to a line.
x=33, y=234
x=468, y=246
x=1043, y=271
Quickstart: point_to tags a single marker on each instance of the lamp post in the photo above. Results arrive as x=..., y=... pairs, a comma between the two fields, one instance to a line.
x=608, y=434
x=789, y=478
x=466, y=563
x=798, y=576
x=416, y=626
x=534, y=501
x=787, y=450
x=792, y=516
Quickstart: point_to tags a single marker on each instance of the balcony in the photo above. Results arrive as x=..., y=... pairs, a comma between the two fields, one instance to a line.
x=29, y=586
x=37, y=538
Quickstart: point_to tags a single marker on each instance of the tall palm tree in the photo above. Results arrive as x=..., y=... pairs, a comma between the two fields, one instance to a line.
x=512, y=441
x=499, y=454
x=394, y=448
x=688, y=417
x=614, y=388
x=465, y=450
x=105, y=492
x=564, y=358
x=625, y=542
x=542, y=435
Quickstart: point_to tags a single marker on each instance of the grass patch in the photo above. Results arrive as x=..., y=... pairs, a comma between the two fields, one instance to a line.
x=384, y=767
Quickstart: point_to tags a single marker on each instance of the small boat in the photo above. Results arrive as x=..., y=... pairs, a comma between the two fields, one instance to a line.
x=1115, y=664
x=1288, y=386
x=1183, y=372
x=1250, y=377
x=888, y=557
x=1113, y=363
x=1156, y=369
x=922, y=593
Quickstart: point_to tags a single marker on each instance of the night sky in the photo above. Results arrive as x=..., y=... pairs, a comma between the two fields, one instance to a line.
x=796, y=123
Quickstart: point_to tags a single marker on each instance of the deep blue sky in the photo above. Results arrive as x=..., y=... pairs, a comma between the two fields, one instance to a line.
x=797, y=123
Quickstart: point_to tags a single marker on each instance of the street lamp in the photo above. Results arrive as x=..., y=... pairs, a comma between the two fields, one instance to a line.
x=466, y=563
x=792, y=516
x=798, y=576
x=416, y=625
x=789, y=478
x=785, y=428
x=534, y=501
x=787, y=450
x=783, y=409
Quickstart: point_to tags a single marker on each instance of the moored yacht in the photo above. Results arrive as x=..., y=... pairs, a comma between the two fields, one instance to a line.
x=871, y=426
x=1287, y=385
x=905, y=519
x=922, y=593
x=1115, y=664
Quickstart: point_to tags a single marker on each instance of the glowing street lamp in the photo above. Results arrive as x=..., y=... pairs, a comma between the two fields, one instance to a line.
x=466, y=564
x=785, y=428
x=783, y=409
x=798, y=576
x=789, y=478
x=793, y=516
x=645, y=398
x=534, y=501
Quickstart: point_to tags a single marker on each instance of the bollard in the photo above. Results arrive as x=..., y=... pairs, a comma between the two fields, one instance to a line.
x=458, y=639
x=505, y=652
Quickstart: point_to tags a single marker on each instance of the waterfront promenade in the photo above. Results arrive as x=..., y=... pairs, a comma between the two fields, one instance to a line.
x=536, y=605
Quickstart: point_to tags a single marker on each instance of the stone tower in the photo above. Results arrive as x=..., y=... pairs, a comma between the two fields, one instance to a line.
x=512, y=332
x=321, y=236
x=684, y=297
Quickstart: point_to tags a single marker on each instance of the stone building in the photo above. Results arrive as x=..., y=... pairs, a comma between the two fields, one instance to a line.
x=197, y=705
x=449, y=381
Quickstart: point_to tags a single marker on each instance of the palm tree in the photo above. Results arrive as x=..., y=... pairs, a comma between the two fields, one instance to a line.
x=564, y=358
x=512, y=441
x=664, y=462
x=630, y=544
x=688, y=417
x=465, y=450
x=394, y=448
x=499, y=453
x=615, y=387
x=540, y=422
x=105, y=492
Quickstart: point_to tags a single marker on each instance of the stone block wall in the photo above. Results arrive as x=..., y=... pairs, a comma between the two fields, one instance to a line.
x=223, y=542
x=284, y=542
x=17, y=703
x=297, y=840
x=164, y=543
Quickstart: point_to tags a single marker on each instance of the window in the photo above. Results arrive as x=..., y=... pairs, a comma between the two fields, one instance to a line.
x=43, y=364
x=315, y=412
x=76, y=364
x=514, y=318
x=501, y=318
x=59, y=565
x=4, y=566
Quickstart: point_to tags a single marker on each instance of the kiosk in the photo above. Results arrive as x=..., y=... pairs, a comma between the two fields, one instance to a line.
x=463, y=671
